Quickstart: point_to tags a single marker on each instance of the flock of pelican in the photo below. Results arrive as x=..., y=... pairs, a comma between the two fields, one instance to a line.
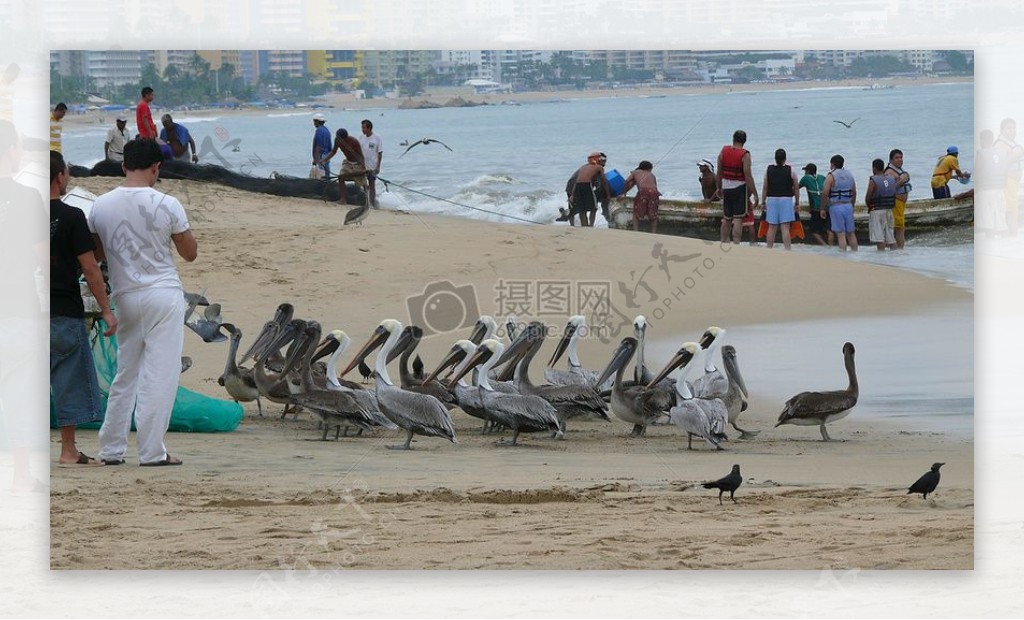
x=489, y=380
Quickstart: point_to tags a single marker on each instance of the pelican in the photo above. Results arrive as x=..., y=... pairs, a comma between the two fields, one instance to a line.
x=356, y=215
x=713, y=383
x=238, y=381
x=511, y=326
x=337, y=342
x=638, y=405
x=483, y=329
x=529, y=414
x=416, y=413
x=847, y=125
x=735, y=398
x=576, y=375
x=569, y=400
x=208, y=327
x=703, y=417
x=821, y=408
x=468, y=398
x=273, y=385
x=334, y=408
x=407, y=342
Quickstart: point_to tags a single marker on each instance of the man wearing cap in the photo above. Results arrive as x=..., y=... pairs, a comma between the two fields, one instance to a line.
x=708, y=183
x=814, y=183
x=947, y=167
x=117, y=136
x=321, y=143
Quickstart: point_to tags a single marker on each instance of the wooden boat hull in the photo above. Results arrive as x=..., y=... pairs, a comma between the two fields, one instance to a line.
x=703, y=220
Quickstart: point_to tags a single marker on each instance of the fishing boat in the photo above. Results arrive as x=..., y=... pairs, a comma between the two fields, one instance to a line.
x=703, y=220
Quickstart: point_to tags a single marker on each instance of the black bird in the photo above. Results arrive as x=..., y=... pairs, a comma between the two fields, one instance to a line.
x=847, y=125
x=730, y=483
x=365, y=370
x=424, y=141
x=926, y=483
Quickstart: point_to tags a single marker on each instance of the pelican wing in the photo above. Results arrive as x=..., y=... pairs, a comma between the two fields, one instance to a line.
x=812, y=405
x=420, y=413
x=523, y=412
x=580, y=395
x=711, y=385
x=691, y=418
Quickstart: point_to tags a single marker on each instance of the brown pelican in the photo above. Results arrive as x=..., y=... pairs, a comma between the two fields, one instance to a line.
x=735, y=399
x=577, y=374
x=511, y=327
x=484, y=329
x=713, y=383
x=468, y=398
x=529, y=414
x=638, y=405
x=821, y=408
x=641, y=374
x=416, y=413
x=570, y=400
x=407, y=342
x=208, y=327
x=273, y=385
x=238, y=381
x=334, y=408
x=703, y=417
x=336, y=343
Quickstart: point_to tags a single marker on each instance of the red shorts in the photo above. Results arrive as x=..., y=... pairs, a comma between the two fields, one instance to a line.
x=645, y=205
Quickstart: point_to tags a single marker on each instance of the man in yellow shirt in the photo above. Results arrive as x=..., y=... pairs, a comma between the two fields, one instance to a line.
x=55, y=126
x=947, y=167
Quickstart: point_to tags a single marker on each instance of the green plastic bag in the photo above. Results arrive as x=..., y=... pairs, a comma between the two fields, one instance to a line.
x=192, y=413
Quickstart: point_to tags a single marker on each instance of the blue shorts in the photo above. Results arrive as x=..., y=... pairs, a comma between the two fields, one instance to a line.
x=780, y=209
x=73, y=385
x=842, y=217
x=939, y=193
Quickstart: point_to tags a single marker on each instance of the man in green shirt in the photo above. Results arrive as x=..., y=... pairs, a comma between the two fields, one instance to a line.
x=814, y=183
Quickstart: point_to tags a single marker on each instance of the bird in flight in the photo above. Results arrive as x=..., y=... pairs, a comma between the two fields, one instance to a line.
x=424, y=141
x=848, y=125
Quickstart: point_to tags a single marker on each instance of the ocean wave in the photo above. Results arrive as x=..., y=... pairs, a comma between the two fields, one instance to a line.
x=197, y=119
x=287, y=114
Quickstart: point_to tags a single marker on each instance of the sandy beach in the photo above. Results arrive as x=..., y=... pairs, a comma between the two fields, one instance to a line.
x=270, y=496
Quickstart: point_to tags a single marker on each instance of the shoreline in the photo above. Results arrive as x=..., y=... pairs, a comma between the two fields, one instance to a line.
x=440, y=96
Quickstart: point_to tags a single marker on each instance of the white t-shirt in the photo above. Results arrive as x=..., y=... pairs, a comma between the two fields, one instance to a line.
x=373, y=146
x=135, y=225
x=117, y=140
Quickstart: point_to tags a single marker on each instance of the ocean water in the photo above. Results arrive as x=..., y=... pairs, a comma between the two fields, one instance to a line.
x=510, y=163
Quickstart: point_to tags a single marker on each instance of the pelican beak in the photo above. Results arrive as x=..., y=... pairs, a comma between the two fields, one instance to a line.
x=456, y=355
x=729, y=360
x=262, y=340
x=405, y=340
x=380, y=335
x=327, y=346
x=481, y=356
x=521, y=344
x=681, y=358
x=563, y=344
x=620, y=358
x=298, y=351
x=706, y=339
x=479, y=331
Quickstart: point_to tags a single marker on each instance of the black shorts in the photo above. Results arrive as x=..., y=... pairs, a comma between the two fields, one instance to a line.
x=819, y=225
x=734, y=202
x=583, y=198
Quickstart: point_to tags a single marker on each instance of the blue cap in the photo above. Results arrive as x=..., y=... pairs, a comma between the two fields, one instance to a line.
x=952, y=150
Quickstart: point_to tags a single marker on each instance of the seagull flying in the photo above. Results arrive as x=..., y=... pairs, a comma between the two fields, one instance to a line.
x=424, y=141
x=848, y=125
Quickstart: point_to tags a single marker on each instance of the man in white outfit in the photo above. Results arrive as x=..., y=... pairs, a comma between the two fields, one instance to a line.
x=134, y=227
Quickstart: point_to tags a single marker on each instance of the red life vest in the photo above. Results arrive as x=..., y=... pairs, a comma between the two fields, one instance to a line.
x=732, y=163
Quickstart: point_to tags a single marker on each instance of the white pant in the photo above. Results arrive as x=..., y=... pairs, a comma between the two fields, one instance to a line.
x=150, y=332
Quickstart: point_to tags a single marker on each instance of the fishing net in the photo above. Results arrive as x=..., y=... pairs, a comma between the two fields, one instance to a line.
x=192, y=413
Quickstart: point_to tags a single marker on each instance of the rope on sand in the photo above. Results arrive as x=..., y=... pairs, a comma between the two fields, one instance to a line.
x=388, y=184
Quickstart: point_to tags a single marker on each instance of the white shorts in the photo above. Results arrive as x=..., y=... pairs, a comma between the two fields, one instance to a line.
x=880, y=226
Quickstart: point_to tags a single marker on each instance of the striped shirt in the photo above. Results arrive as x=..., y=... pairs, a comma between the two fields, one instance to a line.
x=55, y=130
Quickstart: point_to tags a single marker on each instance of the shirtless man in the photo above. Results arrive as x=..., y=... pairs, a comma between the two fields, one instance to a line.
x=583, y=199
x=353, y=168
x=645, y=205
